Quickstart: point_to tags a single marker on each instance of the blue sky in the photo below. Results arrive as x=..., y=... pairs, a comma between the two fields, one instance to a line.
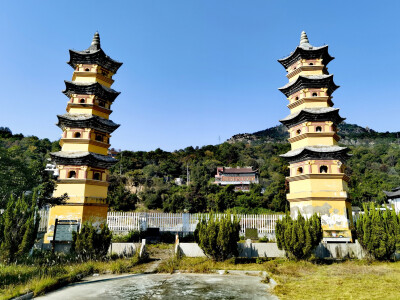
x=195, y=71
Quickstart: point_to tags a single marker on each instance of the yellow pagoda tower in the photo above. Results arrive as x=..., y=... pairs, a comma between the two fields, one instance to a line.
x=83, y=161
x=317, y=183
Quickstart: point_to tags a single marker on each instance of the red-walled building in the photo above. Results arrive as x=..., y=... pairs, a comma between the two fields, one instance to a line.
x=241, y=178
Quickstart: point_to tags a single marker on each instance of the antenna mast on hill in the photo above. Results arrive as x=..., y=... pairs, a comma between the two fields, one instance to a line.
x=187, y=175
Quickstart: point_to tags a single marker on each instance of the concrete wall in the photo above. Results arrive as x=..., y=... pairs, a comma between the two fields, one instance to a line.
x=190, y=250
x=252, y=250
x=247, y=249
x=340, y=250
x=124, y=249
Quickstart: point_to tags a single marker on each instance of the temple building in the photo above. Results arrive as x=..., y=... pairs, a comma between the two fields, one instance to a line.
x=83, y=161
x=317, y=182
x=241, y=178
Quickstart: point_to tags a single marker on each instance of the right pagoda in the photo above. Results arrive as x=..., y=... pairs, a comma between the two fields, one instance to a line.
x=317, y=183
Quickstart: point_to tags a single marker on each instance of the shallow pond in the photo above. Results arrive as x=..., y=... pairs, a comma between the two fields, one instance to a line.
x=165, y=286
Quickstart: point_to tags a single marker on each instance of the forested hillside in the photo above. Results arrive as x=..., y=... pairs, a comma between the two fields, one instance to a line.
x=145, y=180
x=22, y=162
x=350, y=134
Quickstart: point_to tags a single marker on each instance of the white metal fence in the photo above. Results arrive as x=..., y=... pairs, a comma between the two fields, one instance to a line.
x=119, y=222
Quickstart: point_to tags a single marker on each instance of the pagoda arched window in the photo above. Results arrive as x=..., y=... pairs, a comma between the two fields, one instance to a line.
x=310, y=64
x=323, y=169
x=82, y=100
x=297, y=98
x=87, y=69
x=318, y=129
x=71, y=174
x=77, y=135
x=299, y=170
x=298, y=131
x=314, y=94
x=96, y=176
x=99, y=138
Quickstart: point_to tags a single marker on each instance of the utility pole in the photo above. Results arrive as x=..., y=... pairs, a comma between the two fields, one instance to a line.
x=120, y=165
x=187, y=175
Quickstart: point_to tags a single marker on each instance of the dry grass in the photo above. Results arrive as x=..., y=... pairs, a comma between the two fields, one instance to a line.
x=344, y=280
x=308, y=280
x=17, y=280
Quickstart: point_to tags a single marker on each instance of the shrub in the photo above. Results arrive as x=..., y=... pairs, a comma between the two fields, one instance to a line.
x=378, y=232
x=91, y=242
x=218, y=237
x=298, y=237
x=18, y=228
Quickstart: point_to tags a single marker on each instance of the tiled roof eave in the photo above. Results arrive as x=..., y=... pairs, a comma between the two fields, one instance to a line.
x=93, y=57
x=300, y=52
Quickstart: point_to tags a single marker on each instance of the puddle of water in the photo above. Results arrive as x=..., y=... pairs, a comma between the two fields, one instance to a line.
x=161, y=286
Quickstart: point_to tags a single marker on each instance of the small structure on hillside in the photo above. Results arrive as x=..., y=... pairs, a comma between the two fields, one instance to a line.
x=394, y=198
x=241, y=178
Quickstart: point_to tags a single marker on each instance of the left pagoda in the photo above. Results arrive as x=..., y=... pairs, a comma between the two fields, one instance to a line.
x=83, y=161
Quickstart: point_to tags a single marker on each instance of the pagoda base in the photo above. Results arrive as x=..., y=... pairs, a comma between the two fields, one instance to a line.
x=95, y=213
x=336, y=217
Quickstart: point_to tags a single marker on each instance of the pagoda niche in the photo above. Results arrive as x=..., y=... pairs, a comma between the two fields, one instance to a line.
x=317, y=182
x=83, y=161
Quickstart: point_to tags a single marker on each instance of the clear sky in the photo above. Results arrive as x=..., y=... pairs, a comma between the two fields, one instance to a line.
x=195, y=71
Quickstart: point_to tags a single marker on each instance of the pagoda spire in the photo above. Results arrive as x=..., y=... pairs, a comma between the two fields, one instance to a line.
x=304, y=38
x=95, y=45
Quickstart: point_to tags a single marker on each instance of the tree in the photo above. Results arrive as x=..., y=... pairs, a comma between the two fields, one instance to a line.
x=298, y=237
x=378, y=232
x=18, y=228
x=218, y=237
x=91, y=242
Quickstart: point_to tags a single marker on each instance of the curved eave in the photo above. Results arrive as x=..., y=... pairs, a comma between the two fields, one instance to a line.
x=317, y=153
x=313, y=81
x=95, y=88
x=93, y=122
x=83, y=158
x=310, y=116
x=93, y=57
x=301, y=53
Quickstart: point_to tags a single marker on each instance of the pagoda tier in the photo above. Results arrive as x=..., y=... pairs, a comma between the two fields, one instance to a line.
x=89, y=88
x=93, y=55
x=86, y=121
x=317, y=153
x=309, y=82
x=83, y=158
x=313, y=115
x=306, y=51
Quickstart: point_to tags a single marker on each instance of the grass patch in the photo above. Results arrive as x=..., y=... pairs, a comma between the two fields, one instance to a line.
x=356, y=279
x=338, y=280
x=17, y=280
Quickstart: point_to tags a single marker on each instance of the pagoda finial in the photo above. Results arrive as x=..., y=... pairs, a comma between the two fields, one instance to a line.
x=304, y=38
x=95, y=45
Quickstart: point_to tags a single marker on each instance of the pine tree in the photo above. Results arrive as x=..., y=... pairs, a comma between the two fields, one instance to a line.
x=218, y=237
x=378, y=232
x=298, y=237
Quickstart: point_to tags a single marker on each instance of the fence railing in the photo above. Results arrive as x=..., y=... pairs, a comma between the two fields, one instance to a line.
x=119, y=222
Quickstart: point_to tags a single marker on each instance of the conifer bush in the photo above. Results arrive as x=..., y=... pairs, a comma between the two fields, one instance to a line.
x=19, y=225
x=91, y=242
x=218, y=237
x=378, y=232
x=298, y=237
